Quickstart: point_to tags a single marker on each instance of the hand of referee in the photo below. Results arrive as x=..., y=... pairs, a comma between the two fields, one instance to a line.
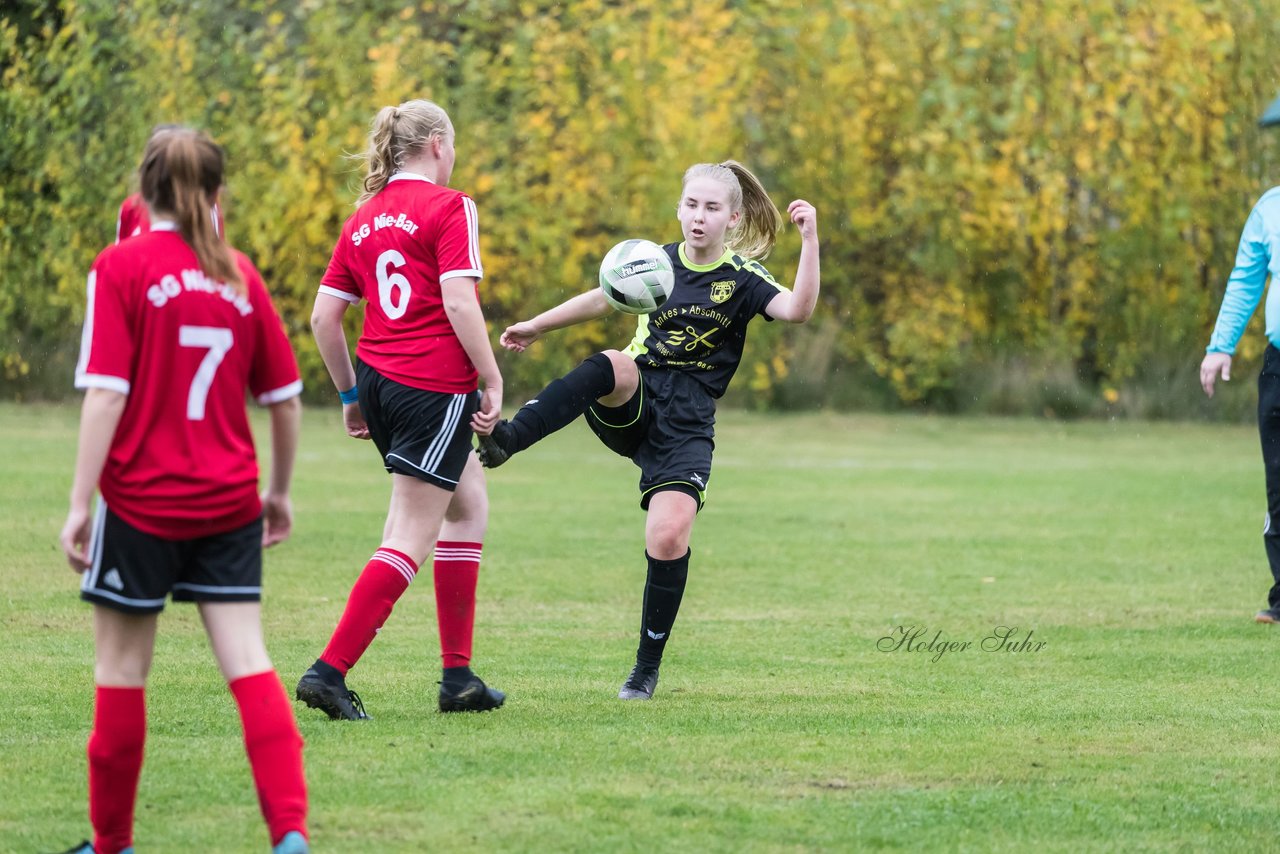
x=1214, y=364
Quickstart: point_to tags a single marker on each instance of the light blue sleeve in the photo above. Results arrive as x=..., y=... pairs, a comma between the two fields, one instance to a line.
x=1244, y=286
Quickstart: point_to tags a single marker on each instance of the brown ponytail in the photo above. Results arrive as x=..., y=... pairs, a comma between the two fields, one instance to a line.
x=398, y=133
x=181, y=172
x=757, y=231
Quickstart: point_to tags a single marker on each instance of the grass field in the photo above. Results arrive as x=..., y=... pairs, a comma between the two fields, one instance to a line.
x=1146, y=721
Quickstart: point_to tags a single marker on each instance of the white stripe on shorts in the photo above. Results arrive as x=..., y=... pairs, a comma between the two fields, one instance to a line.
x=125, y=600
x=440, y=444
x=90, y=577
x=414, y=465
x=213, y=588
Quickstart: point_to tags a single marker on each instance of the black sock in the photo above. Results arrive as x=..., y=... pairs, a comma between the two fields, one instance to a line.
x=663, y=590
x=327, y=672
x=456, y=677
x=561, y=401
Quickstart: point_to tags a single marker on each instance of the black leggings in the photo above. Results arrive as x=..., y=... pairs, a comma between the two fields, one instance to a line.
x=1269, y=430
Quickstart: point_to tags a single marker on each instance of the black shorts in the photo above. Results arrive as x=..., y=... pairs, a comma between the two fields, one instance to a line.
x=422, y=434
x=667, y=428
x=133, y=571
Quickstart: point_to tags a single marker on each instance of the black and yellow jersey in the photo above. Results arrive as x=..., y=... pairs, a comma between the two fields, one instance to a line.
x=702, y=327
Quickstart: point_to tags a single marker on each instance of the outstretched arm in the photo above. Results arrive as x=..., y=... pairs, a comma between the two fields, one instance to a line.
x=797, y=306
x=577, y=309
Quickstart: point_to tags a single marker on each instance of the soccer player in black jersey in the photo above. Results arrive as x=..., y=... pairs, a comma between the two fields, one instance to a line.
x=655, y=401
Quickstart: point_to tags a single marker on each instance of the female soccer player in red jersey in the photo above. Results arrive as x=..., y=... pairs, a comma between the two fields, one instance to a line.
x=176, y=328
x=655, y=402
x=412, y=250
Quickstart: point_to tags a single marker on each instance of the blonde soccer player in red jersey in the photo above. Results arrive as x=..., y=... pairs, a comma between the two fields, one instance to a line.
x=411, y=251
x=177, y=327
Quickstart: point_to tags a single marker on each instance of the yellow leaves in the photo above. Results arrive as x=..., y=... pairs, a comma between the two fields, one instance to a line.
x=985, y=176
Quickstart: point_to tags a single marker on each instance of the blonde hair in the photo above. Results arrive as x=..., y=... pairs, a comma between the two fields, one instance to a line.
x=398, y=133
x=180, y=174
x=757, y=231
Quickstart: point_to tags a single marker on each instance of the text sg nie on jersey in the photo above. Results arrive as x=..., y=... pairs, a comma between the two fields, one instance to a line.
x=170, y=287
x=382, y=221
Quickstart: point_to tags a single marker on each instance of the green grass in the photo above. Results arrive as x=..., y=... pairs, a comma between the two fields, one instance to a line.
x=1147, y=722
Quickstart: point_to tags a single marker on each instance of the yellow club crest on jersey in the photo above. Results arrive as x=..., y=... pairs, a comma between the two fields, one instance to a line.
x=721, y=291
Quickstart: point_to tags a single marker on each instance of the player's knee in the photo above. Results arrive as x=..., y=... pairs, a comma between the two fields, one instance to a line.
x=624, y=374
x=620, y=363
x=667, y=541
x=470, y=507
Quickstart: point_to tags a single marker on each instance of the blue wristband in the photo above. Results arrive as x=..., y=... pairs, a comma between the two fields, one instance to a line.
x=351, y=395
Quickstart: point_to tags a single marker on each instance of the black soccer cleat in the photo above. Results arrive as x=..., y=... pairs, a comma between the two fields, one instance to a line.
x=332, y=698
x=472, y=696
x=495, y=448
x=86, y=847
x=640, y=684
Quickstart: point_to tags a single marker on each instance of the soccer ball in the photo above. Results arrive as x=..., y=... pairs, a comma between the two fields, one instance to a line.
x=636, y=276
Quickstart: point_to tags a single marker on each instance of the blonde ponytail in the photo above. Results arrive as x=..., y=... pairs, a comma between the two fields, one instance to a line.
x=757, y=231
x=397, y=134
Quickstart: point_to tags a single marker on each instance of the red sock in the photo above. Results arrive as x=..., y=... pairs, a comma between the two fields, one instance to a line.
x=385, y=578
x=115, y=761
x=275, y=752
x=457, y=567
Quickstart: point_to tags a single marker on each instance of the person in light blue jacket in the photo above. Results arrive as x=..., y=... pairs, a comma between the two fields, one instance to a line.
x=1257, y=259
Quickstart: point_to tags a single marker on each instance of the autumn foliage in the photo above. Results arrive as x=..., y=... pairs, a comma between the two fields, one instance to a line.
x=1051, y=189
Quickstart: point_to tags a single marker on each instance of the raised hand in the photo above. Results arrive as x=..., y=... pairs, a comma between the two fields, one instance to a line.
x=805, y=216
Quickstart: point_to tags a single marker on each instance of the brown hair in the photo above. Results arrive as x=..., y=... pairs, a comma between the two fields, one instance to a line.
x=180, y=174
x=398, y=133
x=757, y=231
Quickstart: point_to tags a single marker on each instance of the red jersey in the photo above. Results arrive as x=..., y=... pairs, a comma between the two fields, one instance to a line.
x=184, y=348
x=134, y=220
x=394, y=252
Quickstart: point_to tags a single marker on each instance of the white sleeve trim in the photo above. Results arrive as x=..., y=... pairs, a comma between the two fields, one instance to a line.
x=86, y=331
x=457, y=274
x=473, y=232
x=102, y=381
x=267, y=398
x=342, y=295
